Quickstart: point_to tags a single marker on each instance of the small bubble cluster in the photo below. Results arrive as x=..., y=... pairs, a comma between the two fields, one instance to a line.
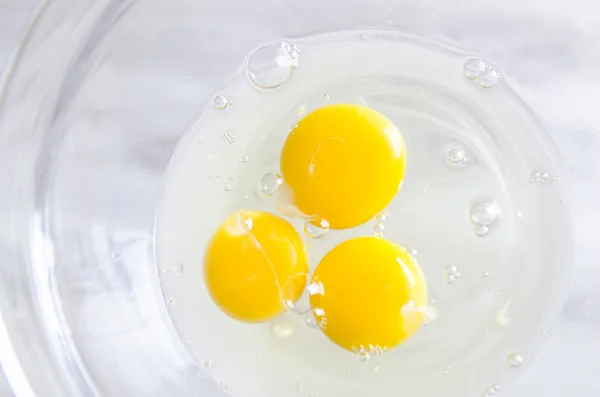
x=491, y=390
x=382, y=217
x=220, y=102
x=270, y=66
x=364, y=353
x=270, y=183
x=539, y=177
x=379, y=227
x=316, y=227
x=170, y=301
x=452, y=274
x=229, y=137
x=478, y=70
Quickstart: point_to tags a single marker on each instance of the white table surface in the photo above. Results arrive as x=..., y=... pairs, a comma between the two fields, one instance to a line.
x=13, y=20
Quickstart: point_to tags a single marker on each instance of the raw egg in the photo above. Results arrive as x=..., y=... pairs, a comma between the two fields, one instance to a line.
x=254, y=264
x=343, y=163
x=368, y=294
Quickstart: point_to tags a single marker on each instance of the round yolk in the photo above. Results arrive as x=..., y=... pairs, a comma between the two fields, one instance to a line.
x=368, y=293
x=255, y=263
x=343, y=163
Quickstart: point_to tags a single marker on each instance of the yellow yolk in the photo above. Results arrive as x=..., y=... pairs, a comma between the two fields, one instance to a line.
x=368, y=292
x=343, y=163
x=254, y=263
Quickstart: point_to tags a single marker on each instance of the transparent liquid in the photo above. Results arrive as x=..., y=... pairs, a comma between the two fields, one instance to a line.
x=466, y=145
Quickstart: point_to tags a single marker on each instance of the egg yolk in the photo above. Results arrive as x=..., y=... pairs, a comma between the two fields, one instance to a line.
x=343, y=163
x=254, y=263
x=368, y=293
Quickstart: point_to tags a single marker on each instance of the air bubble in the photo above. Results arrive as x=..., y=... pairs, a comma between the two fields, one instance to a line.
x=326, y=96
x=378, y=229
x=489, y=78
x=316, y=227
x=299, y=387
x=221, y=102
x=515, y=360
x=270, y=66
x=363, y=356
x=456, y=156
x=170, y=301
x=481, y=231
x=382, y=217
x=224, y=385
x=312, y=394
x=228, y=188
x=245, y=160
x=452, y=274
x=178, y=269
x=474, y=68
x=270, y=183
x=484, y=213
x=375, y=369
x=412, y=251
x=207, y=365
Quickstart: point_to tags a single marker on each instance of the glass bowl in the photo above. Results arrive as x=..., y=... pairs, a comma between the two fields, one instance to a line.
x=98, y=97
